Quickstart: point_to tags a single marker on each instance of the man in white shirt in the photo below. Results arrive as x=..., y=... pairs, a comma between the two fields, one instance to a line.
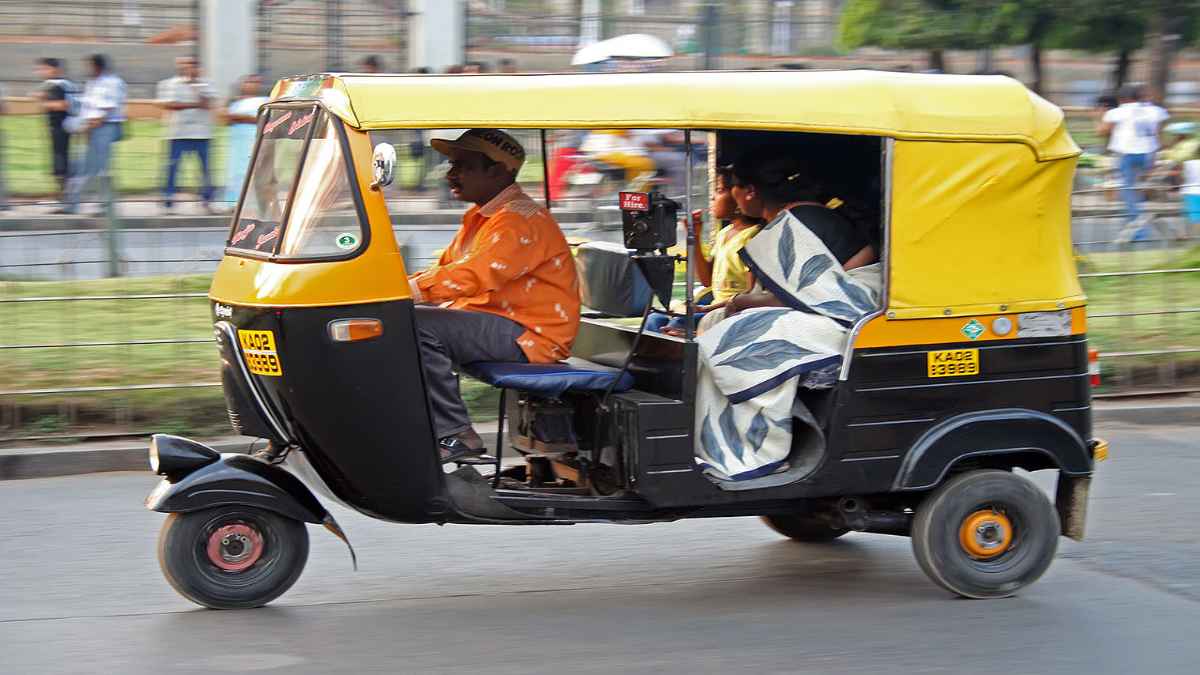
x=102, y=117
x=1133, y=128
x=188, y=100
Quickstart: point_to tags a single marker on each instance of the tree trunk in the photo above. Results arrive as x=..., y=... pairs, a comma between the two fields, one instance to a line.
x=1121, y=69
x=937, y=60
x=1163, y=40
x=1035, y=65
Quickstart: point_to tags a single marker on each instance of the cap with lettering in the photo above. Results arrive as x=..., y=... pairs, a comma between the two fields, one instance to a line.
x=492, y=143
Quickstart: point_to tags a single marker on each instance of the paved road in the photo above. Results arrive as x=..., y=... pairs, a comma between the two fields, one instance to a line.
x=80, y=592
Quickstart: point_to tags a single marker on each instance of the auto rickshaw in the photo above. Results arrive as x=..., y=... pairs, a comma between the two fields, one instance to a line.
x=974, y=365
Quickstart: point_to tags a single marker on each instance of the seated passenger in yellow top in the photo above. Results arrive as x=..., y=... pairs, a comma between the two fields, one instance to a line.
x=722, y=269
x=503, y=290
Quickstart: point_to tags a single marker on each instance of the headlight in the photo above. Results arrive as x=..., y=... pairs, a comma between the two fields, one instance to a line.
x=174, y=456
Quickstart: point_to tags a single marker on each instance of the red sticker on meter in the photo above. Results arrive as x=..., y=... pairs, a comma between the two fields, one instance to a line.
x=635, y=201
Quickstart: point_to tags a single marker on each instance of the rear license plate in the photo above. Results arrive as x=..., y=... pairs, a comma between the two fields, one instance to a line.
x=258, y=348
x=953, y=363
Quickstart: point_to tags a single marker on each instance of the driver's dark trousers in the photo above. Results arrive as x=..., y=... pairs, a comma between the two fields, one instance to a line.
x=451, y=337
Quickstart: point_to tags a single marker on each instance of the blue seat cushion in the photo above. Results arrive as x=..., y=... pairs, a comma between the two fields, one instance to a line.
x=548, y=379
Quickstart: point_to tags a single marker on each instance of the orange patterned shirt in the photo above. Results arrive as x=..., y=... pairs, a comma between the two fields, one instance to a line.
x=510, y=258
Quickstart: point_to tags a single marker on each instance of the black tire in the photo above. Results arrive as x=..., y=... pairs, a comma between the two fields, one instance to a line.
x=803, y=528
x=1032, y=542
x=184, y=557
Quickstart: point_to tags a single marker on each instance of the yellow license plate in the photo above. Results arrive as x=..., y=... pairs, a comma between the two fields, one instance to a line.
x=953, y=363
x=258, y=348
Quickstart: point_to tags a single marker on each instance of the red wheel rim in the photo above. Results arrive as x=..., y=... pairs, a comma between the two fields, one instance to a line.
x=235, y=547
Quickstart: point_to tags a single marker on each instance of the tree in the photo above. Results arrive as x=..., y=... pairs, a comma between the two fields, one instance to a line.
x=1101, y=26
x=929, y=25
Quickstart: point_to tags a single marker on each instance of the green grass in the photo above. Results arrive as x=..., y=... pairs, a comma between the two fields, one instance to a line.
x=138, y=161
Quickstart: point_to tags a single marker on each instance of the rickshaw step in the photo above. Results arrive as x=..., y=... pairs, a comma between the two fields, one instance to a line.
x=476, y=460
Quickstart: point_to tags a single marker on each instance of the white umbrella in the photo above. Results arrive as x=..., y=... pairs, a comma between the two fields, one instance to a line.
x=632, y=46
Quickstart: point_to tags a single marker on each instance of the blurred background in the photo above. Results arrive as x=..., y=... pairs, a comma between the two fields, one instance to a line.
x=104, y=325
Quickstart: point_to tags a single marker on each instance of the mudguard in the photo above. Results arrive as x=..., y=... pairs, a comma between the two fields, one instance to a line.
x=242, y=480
x=992, y=433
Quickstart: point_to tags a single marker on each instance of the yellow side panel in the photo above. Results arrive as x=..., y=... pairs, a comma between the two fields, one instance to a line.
x=979, y=228
x=884, y=332
x=375, y=275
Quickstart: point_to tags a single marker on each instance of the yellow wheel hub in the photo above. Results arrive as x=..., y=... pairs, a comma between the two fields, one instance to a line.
x=986, y=534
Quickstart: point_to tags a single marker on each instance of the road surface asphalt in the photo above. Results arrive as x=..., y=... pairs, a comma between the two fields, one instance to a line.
x=81, y=592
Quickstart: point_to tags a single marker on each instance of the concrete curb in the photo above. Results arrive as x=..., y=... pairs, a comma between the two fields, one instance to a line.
x=50, y=462
x=127, y=455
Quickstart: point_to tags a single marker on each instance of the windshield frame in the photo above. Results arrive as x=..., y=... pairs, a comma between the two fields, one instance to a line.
x=351, y=175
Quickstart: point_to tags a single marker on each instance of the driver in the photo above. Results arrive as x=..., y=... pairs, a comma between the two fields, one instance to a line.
x=503, y=290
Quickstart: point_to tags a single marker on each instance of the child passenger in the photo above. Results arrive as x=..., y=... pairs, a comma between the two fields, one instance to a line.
x=721, y=269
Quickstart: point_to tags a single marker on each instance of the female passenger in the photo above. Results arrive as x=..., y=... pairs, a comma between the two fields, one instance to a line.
x=768, y=186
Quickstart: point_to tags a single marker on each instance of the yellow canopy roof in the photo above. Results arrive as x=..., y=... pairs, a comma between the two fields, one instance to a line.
x=899, y=105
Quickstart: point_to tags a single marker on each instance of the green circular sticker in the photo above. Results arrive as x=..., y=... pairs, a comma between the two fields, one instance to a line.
x=346, y=241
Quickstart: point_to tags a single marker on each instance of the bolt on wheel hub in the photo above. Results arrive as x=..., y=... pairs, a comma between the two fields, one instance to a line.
x=235, y=547
x=986, y=534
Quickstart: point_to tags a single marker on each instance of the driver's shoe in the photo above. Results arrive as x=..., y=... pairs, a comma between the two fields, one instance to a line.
x=463, y=445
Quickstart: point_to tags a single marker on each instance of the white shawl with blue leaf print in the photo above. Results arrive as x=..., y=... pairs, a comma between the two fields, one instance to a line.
x=751, y=363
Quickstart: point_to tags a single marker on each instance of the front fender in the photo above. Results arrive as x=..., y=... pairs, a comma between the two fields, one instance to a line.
x=992, y=433
x=241, y=480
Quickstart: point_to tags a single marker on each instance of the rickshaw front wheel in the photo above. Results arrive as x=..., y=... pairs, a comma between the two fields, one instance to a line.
x=803, y=528
x=985, y=534
x=232, y=557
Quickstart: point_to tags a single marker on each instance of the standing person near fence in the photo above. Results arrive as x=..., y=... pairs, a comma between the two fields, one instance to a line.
x=102, y=118
x=188, y=101
x=3, y=190
x=1133, y=129
x=57, y=96
x=242, y=118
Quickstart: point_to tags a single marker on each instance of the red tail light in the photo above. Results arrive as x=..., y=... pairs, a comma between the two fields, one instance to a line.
x=1094, y=366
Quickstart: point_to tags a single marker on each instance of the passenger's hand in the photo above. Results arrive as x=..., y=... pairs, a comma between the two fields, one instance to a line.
x=696, y=222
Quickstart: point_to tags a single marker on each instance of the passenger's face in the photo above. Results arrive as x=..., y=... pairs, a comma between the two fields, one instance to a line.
x=251, y=85
x=185, y=66
x=470, y=180
x=723, y=206
x=747, y=199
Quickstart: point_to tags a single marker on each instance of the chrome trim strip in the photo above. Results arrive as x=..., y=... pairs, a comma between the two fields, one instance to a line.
x=881, y=424
x=889, y=146
x=251, y=385
x=869, y=459
x=979, y=345
x=959, y=384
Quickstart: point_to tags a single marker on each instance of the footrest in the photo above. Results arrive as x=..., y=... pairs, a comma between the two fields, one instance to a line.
x=476, y=460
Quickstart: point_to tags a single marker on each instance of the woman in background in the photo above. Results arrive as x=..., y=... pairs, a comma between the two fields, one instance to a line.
x=242, y=118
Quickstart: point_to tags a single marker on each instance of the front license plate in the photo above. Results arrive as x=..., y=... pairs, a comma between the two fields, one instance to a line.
x=953, y=363
x=258, y=348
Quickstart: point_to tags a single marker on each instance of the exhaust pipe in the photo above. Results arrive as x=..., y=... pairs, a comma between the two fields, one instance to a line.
x=856, y=515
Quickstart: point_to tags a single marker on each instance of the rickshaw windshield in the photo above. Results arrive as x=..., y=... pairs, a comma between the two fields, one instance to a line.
x=298, y=202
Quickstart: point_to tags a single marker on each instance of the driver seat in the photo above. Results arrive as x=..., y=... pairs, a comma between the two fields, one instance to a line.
x=548, y=380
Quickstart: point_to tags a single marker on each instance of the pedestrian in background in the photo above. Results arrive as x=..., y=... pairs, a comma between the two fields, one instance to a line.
x=3, y=190
x=57, y=96
x=242, y=118
x=1133, y=129
x=102, y=118
x=508, y=65
x=371, y=65
x=188, y=101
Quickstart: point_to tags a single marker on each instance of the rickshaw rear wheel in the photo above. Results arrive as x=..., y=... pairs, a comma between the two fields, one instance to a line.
x=803, y=528
x=985, y=534
x=232, y=557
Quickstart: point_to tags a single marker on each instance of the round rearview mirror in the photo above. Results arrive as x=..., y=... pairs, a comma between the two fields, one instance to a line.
x=384, y=160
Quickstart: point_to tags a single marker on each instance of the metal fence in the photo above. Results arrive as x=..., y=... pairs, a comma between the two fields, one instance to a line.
x=86, y=355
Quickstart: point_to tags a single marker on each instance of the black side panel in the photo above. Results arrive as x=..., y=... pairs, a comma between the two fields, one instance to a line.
x=359, y=409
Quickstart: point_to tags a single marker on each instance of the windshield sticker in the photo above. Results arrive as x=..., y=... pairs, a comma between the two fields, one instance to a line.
x=241, y=234
x=270, y=236
x=270, y=126
x=301, y=123
x=346, y=241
